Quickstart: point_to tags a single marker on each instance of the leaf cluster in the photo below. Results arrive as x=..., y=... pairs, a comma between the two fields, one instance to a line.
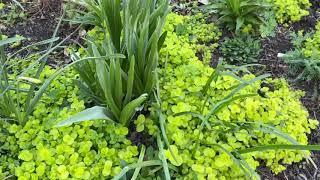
x=241, y=50
x=268, y=28
x=121, y=84
x=304, y=60
x=212, y=116
x=11, y=13
x=235, y=14
x=290, y=10
x=84, y=151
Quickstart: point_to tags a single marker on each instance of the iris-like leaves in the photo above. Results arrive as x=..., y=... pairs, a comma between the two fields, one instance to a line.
x=132, y=28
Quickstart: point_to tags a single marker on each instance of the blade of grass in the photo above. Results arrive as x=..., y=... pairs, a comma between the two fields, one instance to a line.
x=236, y=90
x=163, y=158
x=137, y=165
x=19, y=4
x=137, y=170
x=51, y=40
x=161, y=116
x=141, y=165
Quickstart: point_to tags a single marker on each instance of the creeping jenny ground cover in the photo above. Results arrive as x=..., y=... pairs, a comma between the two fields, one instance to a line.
x=83, y=151
x=94, y=150
x=183, y=76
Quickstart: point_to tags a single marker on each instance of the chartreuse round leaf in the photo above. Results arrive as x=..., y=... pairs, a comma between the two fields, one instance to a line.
x=175, y=157
x=26, y=155
x=79, y=151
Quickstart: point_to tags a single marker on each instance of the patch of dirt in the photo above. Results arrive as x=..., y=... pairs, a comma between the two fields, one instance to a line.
x=271, y=46
x=42, y=20
x=140, y=138
x=300, y=171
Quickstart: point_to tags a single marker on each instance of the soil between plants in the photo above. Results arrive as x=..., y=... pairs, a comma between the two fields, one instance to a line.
x=42, y=22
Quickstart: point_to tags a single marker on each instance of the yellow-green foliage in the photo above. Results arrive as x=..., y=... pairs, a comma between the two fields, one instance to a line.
x=83, y=151
x=195, y=32
x=312, y=44
x=194, y=149
x=290, y=10
x=1, y=6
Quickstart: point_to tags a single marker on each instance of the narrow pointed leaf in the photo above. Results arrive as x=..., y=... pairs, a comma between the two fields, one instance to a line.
x=94, y=113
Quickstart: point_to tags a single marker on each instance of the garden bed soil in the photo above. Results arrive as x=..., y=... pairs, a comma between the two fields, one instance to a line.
x=42, y=22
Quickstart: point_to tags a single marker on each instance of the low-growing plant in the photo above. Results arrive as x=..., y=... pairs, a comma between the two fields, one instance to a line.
x=185, y=6
x=86, y=150
x=208, y=147
x=201, y=36
x=304, y=60
x=235, y=14
x=241, y=49
x=304, y=68
x=290, y=10
x=311, y=42
x=268, y=28
x=11, y=12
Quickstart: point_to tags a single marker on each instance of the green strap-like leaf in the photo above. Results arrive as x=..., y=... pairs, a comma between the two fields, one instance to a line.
x=163, y=158
x=11, y=40
x=242, y=164
x=136, y=165
x=94, y=113
x=162, y=40
x=240, y=22
x=141, y=156
x=280, y=147
x=130, y=109
x=130, y=81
